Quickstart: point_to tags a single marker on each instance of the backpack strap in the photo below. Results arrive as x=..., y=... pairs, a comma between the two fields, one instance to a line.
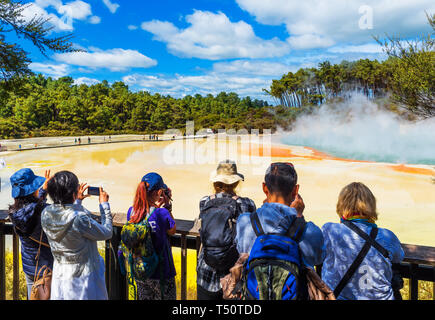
x=129, y=213
x=356, y=263
x=256, y=224
x=297, y=229
x=366, y=237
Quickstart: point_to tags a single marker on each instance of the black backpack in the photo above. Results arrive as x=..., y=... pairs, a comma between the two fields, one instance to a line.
x=218, y=232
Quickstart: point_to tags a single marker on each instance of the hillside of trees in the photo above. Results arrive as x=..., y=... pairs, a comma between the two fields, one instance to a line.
x=46, y=107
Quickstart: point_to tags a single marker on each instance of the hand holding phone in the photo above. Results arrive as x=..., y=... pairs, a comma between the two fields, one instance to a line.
x=104, y=197
x=299, y=205
x=81, y=193
x=93, y=191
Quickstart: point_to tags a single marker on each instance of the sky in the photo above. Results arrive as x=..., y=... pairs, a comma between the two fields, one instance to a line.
x=181, y=48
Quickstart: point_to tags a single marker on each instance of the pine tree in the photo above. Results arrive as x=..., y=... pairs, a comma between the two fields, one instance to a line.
x=14, y=61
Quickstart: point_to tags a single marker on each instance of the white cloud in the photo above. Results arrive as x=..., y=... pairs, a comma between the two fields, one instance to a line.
x=210, y=83
x=319, y=24
x=310, y=41
x=85, y=80
x=79, y=10
x=52, y=70
x=253, y=67
x=213, y=36
x=95, y=20
x=132, y=27
x=364, y=48
x=113, y=59
x=111, y=6
x=66, y=14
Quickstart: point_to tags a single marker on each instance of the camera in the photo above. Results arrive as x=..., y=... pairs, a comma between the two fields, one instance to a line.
x=93, y=191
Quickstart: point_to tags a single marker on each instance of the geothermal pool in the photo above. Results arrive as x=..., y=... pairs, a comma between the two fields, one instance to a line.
x=405, y=192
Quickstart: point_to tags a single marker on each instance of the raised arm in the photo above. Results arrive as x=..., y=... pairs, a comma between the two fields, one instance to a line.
x=312, y=245
x=93, y=230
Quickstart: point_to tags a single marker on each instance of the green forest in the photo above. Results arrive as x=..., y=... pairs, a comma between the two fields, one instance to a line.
x=46, y=107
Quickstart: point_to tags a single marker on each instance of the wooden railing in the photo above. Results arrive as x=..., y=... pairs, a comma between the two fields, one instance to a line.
x=418, y=265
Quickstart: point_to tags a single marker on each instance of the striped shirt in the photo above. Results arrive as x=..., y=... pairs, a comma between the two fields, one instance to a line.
x=207, y=277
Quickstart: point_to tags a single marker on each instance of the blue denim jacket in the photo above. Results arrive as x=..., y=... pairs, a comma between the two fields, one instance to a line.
x=276, y=218
x=372, y=280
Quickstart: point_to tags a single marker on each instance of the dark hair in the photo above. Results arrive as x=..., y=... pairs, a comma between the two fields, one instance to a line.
x=281, y=178
x=62, y=187
x=21, y=202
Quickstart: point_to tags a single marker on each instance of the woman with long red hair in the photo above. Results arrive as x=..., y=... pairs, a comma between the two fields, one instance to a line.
x=152, y=201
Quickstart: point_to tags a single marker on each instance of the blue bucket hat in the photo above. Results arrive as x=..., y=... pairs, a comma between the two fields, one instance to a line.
x=154, y=180
x=24, y=182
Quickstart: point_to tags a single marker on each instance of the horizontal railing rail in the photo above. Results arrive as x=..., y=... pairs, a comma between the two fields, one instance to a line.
x=418, y=264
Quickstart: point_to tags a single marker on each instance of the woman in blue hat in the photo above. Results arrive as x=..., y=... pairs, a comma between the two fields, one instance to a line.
x=29, y=192
x=152, y=200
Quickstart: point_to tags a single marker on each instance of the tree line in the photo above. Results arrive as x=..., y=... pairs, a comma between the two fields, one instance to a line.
x=42, y=106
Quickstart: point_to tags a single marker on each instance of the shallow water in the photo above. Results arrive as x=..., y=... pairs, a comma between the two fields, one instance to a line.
x=405, y=195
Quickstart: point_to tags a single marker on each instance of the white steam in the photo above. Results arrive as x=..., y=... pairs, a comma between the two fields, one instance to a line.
x=360, y=129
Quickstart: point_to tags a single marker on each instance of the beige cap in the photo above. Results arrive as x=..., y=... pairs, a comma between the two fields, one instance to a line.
x=226, y=172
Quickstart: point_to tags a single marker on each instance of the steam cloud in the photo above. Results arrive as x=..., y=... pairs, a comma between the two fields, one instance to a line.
x=361, y=129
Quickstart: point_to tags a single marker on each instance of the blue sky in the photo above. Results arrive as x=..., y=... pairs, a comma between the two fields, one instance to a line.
x=208, y=46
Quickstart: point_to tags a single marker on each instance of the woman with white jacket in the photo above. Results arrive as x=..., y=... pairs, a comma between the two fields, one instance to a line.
x=78, y=270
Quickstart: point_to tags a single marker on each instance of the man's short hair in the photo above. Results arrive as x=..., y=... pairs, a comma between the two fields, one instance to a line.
x=281, y=178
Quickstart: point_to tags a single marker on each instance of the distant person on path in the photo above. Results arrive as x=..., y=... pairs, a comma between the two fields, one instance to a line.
x=226, y=179
x=75, y=141
x=25, y=215
x=78, y=271
x=89, y=140
x=80, y=141
x=151, y=202
x=373, y=277
x=19, y=147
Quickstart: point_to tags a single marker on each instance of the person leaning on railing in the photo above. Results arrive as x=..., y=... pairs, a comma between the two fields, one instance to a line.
x=78, y=270
x=25, y=215
x=226, y=181
x=152, y=203
x=360, y=256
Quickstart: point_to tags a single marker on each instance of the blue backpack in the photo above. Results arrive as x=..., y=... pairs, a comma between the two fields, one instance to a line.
x=273, y=269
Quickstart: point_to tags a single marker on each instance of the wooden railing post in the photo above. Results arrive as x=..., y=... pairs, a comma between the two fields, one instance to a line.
x=198, y=248
x=16, y=267
x=183, y=267
x=2, y=263
x=413, y=282
x=116, y=283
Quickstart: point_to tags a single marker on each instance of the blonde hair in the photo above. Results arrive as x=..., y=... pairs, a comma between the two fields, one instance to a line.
x=357, y=199
x=227, y=188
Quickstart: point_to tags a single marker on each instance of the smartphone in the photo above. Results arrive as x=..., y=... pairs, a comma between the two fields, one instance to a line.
x=93, y=191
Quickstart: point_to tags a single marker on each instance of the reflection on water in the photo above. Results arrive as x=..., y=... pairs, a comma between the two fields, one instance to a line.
x=405, y=199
